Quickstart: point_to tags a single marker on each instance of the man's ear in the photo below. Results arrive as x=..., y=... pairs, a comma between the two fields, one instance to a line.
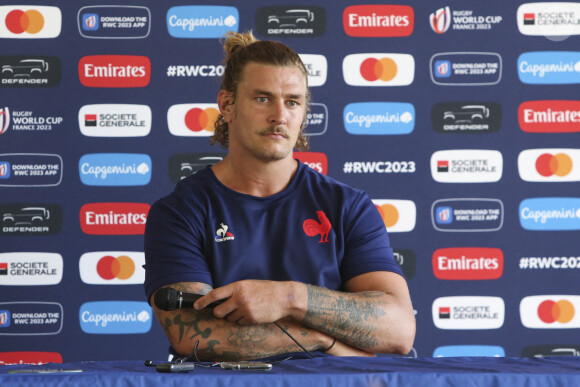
x=225, y=101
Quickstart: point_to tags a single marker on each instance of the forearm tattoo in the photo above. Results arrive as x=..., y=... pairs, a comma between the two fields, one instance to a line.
x=351, y=320
x=220, y=339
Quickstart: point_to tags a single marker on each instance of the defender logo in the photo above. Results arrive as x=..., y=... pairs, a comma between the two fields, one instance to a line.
x=466, y=117
x=29, y=71
x=183, y=165
x=284, y=21
x=30, y=219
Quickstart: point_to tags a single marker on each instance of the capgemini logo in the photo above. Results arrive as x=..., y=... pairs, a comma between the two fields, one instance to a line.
x=440, y=20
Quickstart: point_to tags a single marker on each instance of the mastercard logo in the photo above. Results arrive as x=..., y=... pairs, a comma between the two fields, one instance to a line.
x=398, y=215
x=559, y=164
x=24, y=22
x=549, y=165
x=561, y=311
x=112, y=267
x=18, y=21
x=378, y=69
x=389, y=213
x=121, y=267
x=192, y=119
x=197, y=119
x=373, y=69
x=554, y=311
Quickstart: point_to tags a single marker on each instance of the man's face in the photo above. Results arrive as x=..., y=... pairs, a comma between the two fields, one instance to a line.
x=265, y=118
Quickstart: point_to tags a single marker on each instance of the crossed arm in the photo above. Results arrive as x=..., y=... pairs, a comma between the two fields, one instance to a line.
x=373, y=315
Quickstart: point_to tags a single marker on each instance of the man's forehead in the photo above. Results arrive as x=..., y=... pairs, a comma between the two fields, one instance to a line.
x=294, y=76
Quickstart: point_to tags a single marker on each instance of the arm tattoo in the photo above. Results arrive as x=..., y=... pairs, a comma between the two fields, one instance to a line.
x=250, y=342
x=340, y=315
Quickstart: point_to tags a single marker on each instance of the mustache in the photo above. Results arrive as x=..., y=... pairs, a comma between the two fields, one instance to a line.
x=275, y=129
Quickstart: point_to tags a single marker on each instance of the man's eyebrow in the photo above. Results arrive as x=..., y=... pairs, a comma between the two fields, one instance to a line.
x=270, y=94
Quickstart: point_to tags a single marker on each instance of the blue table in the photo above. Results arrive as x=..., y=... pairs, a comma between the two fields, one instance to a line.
x=432, y=372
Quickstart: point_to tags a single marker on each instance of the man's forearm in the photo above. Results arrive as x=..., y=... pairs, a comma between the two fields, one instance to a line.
x=363, y=320
x=220, y=339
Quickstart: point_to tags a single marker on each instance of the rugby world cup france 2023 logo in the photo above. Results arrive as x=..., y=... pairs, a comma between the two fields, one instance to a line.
x=4, y=119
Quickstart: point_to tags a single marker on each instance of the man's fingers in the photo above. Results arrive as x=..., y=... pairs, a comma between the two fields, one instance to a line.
x=215, y=295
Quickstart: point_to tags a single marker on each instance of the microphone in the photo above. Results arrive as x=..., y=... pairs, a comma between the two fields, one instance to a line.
x=169, y=299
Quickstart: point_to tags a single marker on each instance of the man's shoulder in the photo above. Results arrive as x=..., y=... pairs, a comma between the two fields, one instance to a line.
x=329, y=184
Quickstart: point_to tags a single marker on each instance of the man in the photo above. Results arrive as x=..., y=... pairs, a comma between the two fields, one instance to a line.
x=272, y=238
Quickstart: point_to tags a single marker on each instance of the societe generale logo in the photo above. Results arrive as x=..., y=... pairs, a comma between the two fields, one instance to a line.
x=114, y=218
x=378, y=69
x=378, y=20
x=112, y=267
x=556, y=21
x=315, y=160
x=30, y=22
x=550, y=311
x=468, y=263
x=398, y=215
x=468, y=312
x=112, y=71
x=549, y=116
x=467, y=166
x=549, y=165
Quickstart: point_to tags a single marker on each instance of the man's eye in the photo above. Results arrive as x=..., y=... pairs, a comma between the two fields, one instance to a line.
x=262, y=99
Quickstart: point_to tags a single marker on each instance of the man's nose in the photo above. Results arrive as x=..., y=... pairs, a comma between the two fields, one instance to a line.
x=278, y=113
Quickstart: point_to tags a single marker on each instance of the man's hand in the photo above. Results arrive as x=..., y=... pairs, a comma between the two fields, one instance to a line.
x=251, y=302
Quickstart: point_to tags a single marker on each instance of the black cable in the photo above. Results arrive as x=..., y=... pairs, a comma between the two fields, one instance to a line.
x=293, y=339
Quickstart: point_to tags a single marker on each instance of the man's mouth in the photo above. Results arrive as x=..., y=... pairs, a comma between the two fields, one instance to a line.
x=275, y=132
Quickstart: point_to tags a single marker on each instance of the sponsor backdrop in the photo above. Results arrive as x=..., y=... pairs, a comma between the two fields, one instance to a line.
x=459, y=118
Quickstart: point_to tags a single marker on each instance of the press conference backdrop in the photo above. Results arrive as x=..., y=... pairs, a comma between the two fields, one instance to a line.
x=459, y=118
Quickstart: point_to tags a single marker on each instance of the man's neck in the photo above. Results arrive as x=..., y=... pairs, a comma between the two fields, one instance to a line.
x=255, y=177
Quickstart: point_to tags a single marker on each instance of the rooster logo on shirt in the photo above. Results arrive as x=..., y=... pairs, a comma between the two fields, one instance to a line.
x=313, y=228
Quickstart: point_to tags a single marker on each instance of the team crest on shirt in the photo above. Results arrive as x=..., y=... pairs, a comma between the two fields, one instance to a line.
x=322, y=227
x=223, y=234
